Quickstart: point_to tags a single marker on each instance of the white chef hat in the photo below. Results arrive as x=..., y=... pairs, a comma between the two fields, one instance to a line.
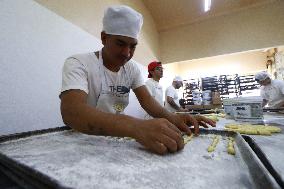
x=122, y=20
x=260, y=76
x=177, y=78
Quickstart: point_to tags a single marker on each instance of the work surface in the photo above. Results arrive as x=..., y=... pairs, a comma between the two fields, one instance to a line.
x=81, y=161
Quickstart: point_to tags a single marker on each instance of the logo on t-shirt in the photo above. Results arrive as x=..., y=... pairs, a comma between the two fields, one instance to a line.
x=119, y=89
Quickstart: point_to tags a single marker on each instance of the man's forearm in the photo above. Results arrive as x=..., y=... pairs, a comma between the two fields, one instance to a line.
x=264, y=102
x=89, y=120
x=154, y=109
x=280, y=104
x=173, y=104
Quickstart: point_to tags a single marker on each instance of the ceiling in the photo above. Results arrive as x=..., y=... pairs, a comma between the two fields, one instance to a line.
x=169, y=14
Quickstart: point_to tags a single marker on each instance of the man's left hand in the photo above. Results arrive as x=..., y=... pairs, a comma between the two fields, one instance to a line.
x=185, y=121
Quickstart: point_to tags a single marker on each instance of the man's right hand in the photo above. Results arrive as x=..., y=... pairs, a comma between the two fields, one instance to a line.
x=159, y=135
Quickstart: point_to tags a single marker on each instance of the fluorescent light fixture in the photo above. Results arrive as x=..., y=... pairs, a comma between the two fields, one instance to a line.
x=207, y=5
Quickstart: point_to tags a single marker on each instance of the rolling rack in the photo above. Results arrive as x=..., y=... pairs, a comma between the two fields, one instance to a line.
x=228, y=84
x=247, y=83
x=209, y=83
x=190, y=85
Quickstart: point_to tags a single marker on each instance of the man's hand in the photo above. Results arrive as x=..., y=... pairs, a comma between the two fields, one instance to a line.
x=184, y=121
x=159, y=136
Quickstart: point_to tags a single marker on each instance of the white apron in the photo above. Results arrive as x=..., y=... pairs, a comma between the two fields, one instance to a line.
x=113, y=99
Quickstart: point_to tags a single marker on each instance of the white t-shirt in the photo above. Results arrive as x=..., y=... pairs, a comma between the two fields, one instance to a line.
x=171, y=92
x=273, y=92
x=82, y=72
x=156, y=91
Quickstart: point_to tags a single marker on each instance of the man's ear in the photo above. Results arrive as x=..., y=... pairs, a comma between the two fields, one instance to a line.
x=103, y=37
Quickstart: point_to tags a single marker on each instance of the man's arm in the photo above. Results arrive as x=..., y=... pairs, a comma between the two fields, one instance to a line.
x=171, y=101
x=158, y=135
x=264, y=102
x=154, y=109
x=77, y=114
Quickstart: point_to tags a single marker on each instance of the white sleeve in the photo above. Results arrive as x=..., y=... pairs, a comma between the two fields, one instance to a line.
x=149, y=87
x=137, y=79
x=74, y=75
x=170, y=92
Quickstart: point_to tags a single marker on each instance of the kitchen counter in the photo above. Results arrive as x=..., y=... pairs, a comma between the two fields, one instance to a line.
x=75, y=159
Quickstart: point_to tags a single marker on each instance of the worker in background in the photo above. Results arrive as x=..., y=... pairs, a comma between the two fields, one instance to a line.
x=155, y=73
x=171, y=96
x=96, y=86
x=272, y=91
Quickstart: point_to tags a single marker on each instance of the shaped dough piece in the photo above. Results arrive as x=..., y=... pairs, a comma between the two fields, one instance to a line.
x=231, y=150
x=187, y=138
x=210, y=149
x=251, y=132
x=214, y=143
x=232, y=126
x=273, y=129
x=264, y=132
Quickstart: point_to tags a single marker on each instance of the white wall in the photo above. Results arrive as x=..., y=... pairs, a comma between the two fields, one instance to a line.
x=250, y=29
x=34, y=44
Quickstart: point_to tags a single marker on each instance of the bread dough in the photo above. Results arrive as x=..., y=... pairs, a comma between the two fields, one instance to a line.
x=210, y=149
x=187, y=138
x=231, y=151
x=252, y=129
x=230, y=148
x=214, y=143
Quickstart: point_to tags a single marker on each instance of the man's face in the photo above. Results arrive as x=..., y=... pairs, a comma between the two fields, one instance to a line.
x=157, y=72
x=118, y=49
x=178, y=84
x=265, y=82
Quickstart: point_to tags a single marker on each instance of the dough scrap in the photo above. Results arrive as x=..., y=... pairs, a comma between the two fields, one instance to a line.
x=187, y=138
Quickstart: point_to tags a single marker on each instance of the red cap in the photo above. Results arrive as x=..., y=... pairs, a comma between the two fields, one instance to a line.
x=152, y=66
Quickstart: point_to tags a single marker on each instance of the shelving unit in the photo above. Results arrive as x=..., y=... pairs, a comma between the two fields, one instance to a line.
x=227, y=85
x=189, y=86
x=247, y=83
x=209, y=83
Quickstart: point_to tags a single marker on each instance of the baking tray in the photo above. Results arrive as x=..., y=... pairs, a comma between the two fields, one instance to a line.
x=269, y=150
x=67, y=159
x=25, y=176
x=264, y=159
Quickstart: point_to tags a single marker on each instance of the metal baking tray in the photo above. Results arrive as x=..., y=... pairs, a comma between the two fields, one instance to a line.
x=269, y=150
x=68, y=159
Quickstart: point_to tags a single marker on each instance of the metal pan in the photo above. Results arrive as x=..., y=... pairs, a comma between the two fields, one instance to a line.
x=23, y=175
x=269, y=149
x=67, y=159
x=261, y=155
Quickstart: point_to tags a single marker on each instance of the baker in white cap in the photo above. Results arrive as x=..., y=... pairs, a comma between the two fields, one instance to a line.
x=171, y=96
x=95, y=90
x=272, y=91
